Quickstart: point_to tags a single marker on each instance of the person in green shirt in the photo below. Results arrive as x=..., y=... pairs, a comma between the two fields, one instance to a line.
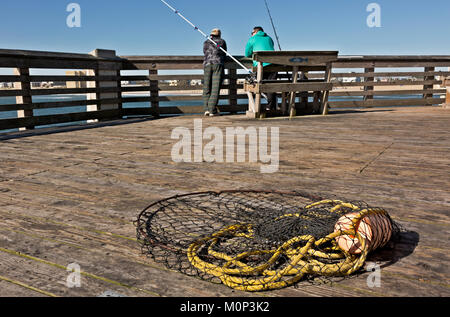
x=260, y=41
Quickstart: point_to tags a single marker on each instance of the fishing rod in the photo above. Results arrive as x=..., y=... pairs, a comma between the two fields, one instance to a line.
x=275, y=31
x=273, y=25
x=208, y=38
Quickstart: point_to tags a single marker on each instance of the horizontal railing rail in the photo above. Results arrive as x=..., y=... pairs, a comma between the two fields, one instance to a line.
x=100, y=85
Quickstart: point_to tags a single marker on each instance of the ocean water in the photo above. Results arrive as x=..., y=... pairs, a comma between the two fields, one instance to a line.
x=76, y=109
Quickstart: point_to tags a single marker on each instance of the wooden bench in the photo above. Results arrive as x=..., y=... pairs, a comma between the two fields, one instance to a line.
x=293, y=63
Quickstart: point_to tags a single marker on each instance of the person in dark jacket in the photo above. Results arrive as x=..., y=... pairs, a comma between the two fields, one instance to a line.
x=260, y=42
x=213, y=72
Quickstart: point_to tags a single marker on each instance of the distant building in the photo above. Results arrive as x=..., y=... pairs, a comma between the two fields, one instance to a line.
x=349, y=80
x=6, y=85
x=76, y=84
x=196, y=82
x=47, y=84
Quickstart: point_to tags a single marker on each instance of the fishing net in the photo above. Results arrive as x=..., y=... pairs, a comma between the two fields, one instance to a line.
x=258, y=241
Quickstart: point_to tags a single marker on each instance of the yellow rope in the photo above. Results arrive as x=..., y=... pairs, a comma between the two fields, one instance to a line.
x=302, y=260
x=31, y=288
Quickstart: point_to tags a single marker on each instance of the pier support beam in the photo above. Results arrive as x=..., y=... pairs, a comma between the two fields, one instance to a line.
x=104, y=69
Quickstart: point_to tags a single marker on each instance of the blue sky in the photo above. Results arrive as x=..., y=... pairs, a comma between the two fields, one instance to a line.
x=136, y=27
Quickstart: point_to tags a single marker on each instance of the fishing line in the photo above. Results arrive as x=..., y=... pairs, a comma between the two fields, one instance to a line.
x=206, y=36
x=273, y=25
x=252, y=75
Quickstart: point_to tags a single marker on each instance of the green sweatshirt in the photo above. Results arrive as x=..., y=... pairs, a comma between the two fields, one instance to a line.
x=257, y=43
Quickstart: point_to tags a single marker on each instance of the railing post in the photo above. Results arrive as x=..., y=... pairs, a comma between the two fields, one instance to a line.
x=119, y=85
x=426, y=87
x=154, y=92
x=368, y=79
x=447, y=96
x=105, y=68
x=232, y=91
x=25, y=86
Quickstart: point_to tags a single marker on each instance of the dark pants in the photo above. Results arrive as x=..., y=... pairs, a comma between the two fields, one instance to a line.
x=211, y=87
x=272, y=98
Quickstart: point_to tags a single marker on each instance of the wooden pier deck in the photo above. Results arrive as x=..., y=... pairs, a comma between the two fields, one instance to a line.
x=72, y=197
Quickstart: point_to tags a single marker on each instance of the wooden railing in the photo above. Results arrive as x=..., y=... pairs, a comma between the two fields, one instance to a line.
x=107, y=99
x=425, y=84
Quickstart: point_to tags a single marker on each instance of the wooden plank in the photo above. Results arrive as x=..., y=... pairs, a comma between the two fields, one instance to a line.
x=180, y=110
x=161, y=66
x=391, y=83
x=154, y=91
x=289, y=87
x=70, y=91
x=176, y=77
x=119, y=94
x=258, y=97
x=392, y=102
x=233, y=87
x=293, y=94
x=386, y=92
x=296, y=58
x=196, y=97
x=372, y=64
x=47, y=78
x=191, y=77
x=168, y=88
x=7, y=78
x=447, y=97
x=44, y=54
x=25, y=98
x=42, y=63
x=66, y=104
x=58, y=118
x=280, y=69
x=12, y=93
x=327, y=91
x=389, y=74
x=164, y=58
x=369, y=88
x=428, y=86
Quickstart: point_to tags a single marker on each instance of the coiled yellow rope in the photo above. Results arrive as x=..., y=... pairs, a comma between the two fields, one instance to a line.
x=302, y=260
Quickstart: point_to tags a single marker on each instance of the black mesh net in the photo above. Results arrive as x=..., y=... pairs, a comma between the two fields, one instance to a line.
x=257, y=241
